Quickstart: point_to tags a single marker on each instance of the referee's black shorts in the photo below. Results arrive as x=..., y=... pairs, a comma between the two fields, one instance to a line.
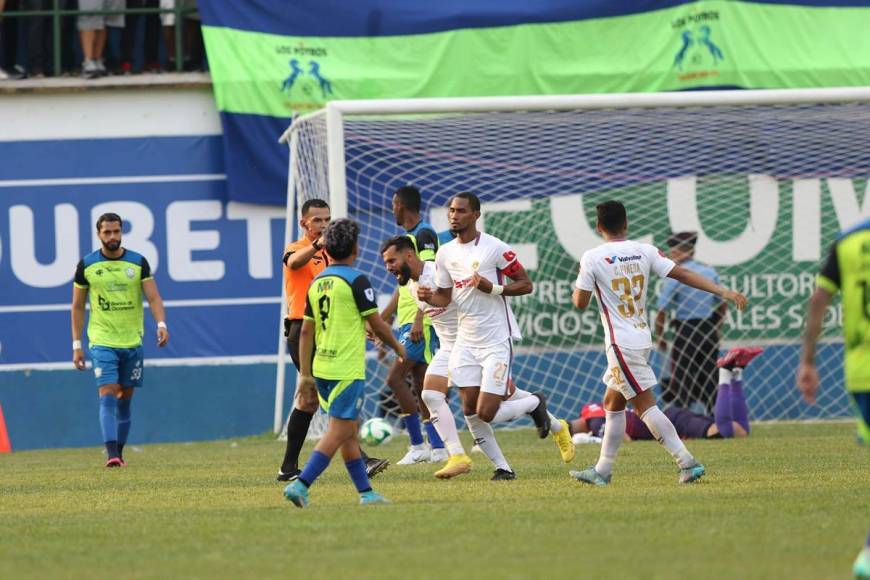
x=292, y=330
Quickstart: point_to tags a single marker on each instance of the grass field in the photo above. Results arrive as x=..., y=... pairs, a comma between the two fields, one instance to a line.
x=790, y=502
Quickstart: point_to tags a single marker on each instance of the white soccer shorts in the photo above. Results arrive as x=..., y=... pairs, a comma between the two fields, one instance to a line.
x=488, y=368
x=439, y=365
x=628, y=371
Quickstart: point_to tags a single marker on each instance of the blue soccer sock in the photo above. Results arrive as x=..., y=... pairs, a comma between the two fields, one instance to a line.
x=357, y=470
x=109, y=423
x=412, y=424
x=317, y=464
x=434, y=439
x=123, y=423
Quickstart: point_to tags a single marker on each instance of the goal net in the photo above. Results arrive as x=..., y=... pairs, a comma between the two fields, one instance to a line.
x=766, y=178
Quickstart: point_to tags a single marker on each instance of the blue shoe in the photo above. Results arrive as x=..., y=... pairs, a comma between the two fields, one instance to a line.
x=297, y=493
x=692, y=474
x=590, y=476
x=372, y=497
x=861, y=569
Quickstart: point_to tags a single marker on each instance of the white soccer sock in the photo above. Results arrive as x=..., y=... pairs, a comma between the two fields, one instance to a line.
x=510, y=410
x=663, y=430
x=737, y=374
x=484, y=437
x=614, y=432
x=724, y=377
x=443, y=421
x=519, y=394
x=555, y=426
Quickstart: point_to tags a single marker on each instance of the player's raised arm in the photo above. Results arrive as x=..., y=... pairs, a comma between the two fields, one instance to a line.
x=695, y=280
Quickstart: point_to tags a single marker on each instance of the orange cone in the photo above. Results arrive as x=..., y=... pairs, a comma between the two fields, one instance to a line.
x=5, y=445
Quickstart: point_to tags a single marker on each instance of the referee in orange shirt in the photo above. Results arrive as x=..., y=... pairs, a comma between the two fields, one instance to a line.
x=303, y=260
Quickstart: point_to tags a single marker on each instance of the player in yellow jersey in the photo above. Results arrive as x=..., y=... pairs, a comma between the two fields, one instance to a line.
x=846, y=270
x=340, y=304
x=115, y=279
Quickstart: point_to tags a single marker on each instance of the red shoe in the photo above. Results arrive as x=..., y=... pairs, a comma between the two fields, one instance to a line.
x=114, y=462
x=738, y=357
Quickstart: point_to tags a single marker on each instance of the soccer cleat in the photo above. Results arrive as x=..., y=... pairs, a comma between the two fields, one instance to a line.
x=692, y=474
x=540, y=417
x=291, y=475
x=372, y=497
x=414, y=456
x=590, y=476
x=297, y=493
x=123, y=463
x=861, y=568
x=438, y=455
x=564, y=442
x=374, y=466
x=738, y=357
x=114, y=462
x=503, y=475
x=456, y=465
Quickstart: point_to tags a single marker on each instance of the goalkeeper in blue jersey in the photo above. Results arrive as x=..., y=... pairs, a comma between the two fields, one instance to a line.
x=339, y=306
x=846, y=270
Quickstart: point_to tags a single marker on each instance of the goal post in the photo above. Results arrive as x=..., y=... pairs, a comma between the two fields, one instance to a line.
x=765, y=178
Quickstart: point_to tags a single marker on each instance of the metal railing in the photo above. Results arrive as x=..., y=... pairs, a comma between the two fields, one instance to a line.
x=57, y=13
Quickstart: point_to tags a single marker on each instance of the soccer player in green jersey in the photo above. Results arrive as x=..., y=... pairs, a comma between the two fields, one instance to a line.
x=846, y=270
x=115, y=278
x=339, y=306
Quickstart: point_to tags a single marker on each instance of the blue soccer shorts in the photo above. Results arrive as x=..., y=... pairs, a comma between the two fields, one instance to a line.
x=122, y=366
x=422, y=351
x=861, y=405
x=341, y=399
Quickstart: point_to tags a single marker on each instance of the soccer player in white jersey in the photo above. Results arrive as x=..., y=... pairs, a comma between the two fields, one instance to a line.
x=469, y=272
x=402, y=261
x=618, y=272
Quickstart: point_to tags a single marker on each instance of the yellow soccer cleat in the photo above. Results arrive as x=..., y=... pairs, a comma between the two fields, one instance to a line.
x=564, y=443
x=456, y=465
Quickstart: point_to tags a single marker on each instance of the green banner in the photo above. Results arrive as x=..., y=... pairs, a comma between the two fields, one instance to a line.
x=711, y=43
x=762, y=252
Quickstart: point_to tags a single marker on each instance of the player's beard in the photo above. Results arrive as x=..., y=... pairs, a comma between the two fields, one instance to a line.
x=112, y=245
x=404, y=274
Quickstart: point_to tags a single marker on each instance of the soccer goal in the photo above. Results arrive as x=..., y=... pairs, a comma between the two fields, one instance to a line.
x=765, y=178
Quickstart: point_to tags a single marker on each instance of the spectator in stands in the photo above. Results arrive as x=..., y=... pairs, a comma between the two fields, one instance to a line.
x=3, y=74
x=696, y=321
x=193, y=49
x=151, y=37
x=92, y=32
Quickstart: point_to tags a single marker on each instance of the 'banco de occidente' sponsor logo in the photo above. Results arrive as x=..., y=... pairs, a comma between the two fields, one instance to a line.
x=698, y=55
x=306, y=85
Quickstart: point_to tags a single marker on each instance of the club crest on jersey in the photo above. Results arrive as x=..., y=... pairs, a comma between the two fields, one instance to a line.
x=475, y=265
x=130, y=273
